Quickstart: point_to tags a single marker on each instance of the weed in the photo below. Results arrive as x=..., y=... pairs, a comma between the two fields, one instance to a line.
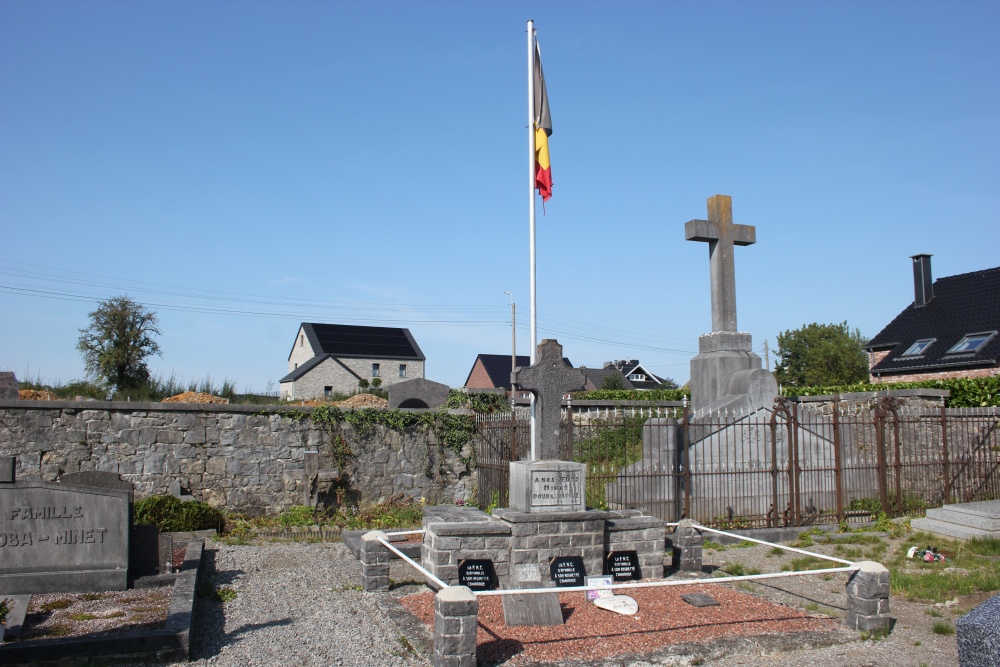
x=58, y=630
x=943, y=628
x=61, y=603
x=82, y=617
x=221, y=594
x=804, y=563
x=736, y=569
x=918, y=643
x=933, y=612
x=812, y=606
x=847, y=552
x=697, y=661
x=826, y=577
x=984, y=546
x=775, y=551
x=225, y=594
x=941, y=586
x=93, y=596
x=709, y=544
x=745, y=544
x=875, y=635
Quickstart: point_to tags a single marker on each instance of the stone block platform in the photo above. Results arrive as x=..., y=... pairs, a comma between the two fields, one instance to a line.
x=963, y=521
x=510, y=538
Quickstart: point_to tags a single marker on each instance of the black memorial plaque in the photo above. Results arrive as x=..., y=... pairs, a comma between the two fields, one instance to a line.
x=623, y=565
x=567, y=570
x=478, y=574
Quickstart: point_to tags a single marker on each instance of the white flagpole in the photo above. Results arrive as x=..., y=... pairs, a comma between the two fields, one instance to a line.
x=531, y=219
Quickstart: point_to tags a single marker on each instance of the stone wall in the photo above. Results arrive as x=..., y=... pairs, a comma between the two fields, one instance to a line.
x=246, y=458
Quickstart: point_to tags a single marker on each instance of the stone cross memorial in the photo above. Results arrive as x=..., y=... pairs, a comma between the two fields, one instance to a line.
x=726, y=371
x=548, y=484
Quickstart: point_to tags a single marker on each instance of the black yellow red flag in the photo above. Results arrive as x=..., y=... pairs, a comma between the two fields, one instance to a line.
x=543, y=130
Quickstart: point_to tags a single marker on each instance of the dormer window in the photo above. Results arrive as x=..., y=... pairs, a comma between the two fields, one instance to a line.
x=638, y=377
x=918, y=348
x=972, y=343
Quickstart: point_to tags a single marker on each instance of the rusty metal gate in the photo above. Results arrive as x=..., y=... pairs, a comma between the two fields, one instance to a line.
x=787, y=466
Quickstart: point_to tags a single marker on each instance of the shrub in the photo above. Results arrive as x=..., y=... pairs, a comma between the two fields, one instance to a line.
x=171, y=515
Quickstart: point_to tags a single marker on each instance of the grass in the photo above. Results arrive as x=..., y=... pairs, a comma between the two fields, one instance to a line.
x=82, y=617
x=804, y=563
x=58, y=630
x=775, y=551
x=875, y=635
x=943, y=628
x=715, y=546
x=963, y=572
x=933, y=612
x=61, y=603
x=93, y=596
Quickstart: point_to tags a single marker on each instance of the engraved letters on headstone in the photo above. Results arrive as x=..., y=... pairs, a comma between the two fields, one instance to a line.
x=478, y=574
x=623, y=565
x=567, y=571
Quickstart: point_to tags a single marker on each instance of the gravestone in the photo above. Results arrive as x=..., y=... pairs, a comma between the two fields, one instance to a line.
x=548, y=484
x=726, y=373
x=66, y=538
x=8, y=387
x=978, y=635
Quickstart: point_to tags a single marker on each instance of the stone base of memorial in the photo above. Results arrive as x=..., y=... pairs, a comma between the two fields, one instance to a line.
x=510, y=538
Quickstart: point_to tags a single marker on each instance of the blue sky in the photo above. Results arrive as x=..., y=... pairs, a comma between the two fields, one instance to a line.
x=241, y=167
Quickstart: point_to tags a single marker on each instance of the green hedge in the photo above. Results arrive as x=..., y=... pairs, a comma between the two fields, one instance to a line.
x=171, y=515
x=965, y=392
x=633, y=395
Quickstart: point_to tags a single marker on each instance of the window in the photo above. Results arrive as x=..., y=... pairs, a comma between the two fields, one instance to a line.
x=918, y=347
x=302, y=340
x=327, y=392
x=402, y=370
x=296, y=364
x=638, y=377
x=972, y=343
x=374, y=370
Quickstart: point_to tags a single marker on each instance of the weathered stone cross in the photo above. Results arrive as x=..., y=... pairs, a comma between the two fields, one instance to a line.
x=548, y=379
x=721, y=235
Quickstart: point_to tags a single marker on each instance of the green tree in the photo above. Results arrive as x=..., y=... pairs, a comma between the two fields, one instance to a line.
x=821, y=355
x=613, y=381
x=118, y=341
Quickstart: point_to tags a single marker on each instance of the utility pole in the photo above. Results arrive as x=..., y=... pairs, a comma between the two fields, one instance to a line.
x=513, y=340
x=767, y=357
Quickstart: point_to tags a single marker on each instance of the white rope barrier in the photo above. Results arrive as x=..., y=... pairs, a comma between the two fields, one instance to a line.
x=772, y=544
x=420, y=568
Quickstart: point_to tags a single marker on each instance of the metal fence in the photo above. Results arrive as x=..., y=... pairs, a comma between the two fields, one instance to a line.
x=787, y=466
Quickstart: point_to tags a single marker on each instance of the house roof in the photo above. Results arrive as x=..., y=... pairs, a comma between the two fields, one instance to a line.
x=968, y=303
x=497, y=367
x=313, y=363
x=345, y=340
x=596, y=376
x=630, y=366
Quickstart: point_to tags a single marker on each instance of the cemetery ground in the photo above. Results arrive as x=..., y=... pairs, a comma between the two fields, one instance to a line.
x=300, y=603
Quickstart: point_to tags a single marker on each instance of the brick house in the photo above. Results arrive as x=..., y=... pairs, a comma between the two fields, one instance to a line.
x=333, y=358
x=492, y=371
x=949, y=331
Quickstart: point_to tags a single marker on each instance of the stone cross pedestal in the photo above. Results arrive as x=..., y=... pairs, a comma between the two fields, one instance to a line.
x=548, y=484
x=726, y=365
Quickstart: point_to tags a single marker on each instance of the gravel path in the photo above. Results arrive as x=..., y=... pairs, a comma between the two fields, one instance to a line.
x=296, y=604
x=299, y=604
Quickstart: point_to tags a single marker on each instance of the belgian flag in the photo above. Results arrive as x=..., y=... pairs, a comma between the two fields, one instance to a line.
x=543, y=130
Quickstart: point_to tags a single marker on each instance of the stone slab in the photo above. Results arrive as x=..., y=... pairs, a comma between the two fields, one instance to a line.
x=951, y=530
x=469, y=528
x=352, y=540
x=538, y=487
x=700, y=600
x=532, y=609
x=7, y=469
x=15, y=619
x=61, y=538
x=453, y=513
x=104, y=480
x=978, y=635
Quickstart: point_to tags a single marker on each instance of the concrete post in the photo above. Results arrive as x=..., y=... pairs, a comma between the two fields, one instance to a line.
x=456, y=613
x=374, y=562
x=686, y=544
x=868, y=598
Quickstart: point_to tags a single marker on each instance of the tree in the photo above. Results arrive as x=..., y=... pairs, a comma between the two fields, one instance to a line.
x=613, y=381
x=819, y=355
x=118, y=341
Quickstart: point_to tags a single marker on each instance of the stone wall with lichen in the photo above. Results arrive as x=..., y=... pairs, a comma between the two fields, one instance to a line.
x=245, y=458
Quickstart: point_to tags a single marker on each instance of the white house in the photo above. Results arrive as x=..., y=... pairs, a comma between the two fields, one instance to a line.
x=334, y=358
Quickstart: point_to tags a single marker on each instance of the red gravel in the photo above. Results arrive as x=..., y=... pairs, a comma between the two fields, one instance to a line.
x=663, y=620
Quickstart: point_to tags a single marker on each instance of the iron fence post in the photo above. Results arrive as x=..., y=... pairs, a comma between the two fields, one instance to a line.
x=944, y=455
x=837, y=465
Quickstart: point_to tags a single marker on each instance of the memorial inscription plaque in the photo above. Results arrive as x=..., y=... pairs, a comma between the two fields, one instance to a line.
x=567, y=570
x=478, y=574
x=63, y=538
x=623, y=565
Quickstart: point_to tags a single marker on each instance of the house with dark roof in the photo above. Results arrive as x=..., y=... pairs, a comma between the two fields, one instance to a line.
x=639, y=377
x=949, y=331
x=334, y=358
x=492, y=371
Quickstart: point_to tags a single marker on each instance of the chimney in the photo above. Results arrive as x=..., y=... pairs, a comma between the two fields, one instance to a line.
x=923, y=284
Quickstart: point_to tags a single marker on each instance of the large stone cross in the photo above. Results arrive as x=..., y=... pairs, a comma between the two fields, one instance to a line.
x=721, y=235
x=548, y=379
